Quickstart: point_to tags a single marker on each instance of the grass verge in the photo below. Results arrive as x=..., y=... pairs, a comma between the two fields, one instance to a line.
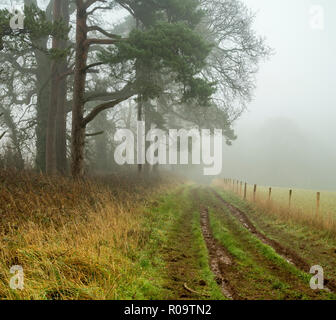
x=76, y=240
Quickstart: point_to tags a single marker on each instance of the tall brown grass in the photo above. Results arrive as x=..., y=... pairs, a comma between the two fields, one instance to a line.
x=74, y=239
x=324, y=221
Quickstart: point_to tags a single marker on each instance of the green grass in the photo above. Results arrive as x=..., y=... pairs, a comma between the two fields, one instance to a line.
x=245, y=248
x=164, y=222
x=315, y=245
x=251, y=270
x=203, y=261
x=157, y=223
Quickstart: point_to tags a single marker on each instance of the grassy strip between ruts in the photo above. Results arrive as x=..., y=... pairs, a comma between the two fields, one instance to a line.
x=176, y=254
x=263, y=273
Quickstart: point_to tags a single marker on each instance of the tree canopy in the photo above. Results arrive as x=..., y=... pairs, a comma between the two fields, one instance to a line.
x=177, y=63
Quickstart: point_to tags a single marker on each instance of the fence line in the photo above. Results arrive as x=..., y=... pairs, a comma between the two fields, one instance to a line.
x=233, y=185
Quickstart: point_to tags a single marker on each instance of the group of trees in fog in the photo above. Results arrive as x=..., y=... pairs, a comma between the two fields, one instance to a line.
x=76, y=72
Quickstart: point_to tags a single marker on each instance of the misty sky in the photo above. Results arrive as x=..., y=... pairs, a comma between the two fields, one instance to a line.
x=295, y=95
x=298, y=82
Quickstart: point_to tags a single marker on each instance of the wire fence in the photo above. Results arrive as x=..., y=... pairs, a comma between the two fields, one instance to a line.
x=289, y=200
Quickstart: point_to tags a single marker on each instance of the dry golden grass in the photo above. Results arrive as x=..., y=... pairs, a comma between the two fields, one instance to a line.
x=302, y=209
x=74, y=240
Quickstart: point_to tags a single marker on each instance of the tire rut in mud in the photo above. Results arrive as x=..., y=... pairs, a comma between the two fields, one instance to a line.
x=289, y=255
x=286, y=253
x=219, y=259
x=183, y=273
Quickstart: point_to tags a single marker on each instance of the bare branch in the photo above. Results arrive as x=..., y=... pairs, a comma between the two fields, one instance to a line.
x=2, y=135
x=126, y=92
x=99, y=109
x=104, y=32
x=89, y=42
x=93, y=65
x=97, y=8
x=95, y=134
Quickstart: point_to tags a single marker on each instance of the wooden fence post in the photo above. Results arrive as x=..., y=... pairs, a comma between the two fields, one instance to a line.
x=290, y=198
x=269, y=194
x=254, y=192
x=241, y=188
x=245, y=191
x=318, y=198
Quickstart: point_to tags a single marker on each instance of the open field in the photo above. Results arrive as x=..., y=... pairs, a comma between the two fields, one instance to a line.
x=303, y=200
x=301, y=207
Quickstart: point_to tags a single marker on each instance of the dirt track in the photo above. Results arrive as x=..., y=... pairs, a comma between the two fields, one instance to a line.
x=289, y=255
x=213, y=250
x=286, y=253
x=219, y=258
x=237, y=278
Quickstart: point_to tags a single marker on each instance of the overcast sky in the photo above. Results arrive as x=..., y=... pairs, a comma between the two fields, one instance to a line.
x=287, y=137
x=299, y=81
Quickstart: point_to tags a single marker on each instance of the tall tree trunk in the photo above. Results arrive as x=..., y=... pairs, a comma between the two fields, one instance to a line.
x=78, y=127
x=146, y=167
x=14, y=136
x=43, y=93
x=61, y=146
x=51, y=167
x=139, y=118
x=101, y=141
x=140, y=96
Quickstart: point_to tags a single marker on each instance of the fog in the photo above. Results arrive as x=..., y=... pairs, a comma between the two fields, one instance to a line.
x=286, y=138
